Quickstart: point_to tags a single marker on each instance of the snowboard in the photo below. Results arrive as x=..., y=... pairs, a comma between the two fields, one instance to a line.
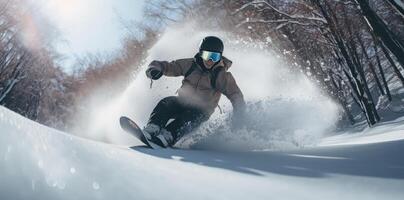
x=131, y=127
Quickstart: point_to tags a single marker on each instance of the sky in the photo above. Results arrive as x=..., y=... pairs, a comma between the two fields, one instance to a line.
x=89, y=26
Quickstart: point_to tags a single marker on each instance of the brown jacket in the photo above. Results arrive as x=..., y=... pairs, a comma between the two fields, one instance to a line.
x=196, y=89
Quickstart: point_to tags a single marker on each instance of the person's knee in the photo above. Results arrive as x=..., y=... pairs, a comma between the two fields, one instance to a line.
x=168, y=101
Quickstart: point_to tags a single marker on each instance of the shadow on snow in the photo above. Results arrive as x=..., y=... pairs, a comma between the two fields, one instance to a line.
x=383, y=160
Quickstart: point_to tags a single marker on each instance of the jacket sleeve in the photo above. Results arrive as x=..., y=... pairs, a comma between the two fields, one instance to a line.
x=228, y=86
x=173, y=68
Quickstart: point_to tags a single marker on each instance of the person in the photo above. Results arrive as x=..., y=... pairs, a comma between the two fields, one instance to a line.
x=206, y=77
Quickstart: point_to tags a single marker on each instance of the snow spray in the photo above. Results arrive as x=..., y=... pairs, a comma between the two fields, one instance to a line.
x=285, y=109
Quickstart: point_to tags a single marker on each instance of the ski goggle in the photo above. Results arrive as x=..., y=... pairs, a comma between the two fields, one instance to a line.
x=209, y=55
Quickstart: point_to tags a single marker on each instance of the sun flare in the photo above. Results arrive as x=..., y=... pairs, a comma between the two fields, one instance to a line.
x=66, y=10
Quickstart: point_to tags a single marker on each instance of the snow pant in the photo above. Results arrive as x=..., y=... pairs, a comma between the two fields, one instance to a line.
x=185, y=118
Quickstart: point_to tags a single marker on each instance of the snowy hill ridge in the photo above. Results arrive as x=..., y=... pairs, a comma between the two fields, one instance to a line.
x=37, y=162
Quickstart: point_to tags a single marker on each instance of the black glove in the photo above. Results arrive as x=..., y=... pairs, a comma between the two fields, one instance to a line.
x=154, y=73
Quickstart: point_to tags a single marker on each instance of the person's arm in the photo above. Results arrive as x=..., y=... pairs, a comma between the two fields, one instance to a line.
x=174, y=68
x=227, y=85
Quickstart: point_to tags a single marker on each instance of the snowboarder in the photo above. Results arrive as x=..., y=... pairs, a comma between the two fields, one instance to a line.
x=205, y=79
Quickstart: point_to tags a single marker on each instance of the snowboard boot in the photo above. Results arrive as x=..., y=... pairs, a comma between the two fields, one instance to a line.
x=164, y=138
x=150, y=131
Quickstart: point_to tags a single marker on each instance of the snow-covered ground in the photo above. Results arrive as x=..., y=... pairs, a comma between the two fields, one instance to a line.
x=37, y=162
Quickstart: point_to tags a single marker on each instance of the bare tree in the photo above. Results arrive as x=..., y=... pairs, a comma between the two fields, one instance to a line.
x=382, y=31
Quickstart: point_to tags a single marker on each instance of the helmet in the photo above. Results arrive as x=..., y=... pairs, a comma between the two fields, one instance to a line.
x=211, y=43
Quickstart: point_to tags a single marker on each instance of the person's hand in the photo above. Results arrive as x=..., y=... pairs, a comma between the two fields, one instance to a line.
x=154, y=72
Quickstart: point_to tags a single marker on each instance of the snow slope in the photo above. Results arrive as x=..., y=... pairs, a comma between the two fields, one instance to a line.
x=37, y=162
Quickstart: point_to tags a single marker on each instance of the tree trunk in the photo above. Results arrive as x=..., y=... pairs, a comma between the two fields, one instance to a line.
x=371, y=66
x=393, y=64
x=386, y=85
x=16, y=77
x=382, y=31
x=363, y=84
x=397, y=7
x=356, y=84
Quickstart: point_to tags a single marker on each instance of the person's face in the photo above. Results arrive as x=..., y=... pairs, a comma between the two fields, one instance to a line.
x=208, y=63
x=210, y=58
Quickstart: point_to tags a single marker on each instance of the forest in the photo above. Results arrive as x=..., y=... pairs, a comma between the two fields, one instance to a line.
x=352, y=49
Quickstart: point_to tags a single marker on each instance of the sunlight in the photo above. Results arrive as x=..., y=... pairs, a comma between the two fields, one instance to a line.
x=67, y=10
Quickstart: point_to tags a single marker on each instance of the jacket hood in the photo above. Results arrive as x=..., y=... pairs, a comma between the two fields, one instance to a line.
x=225, y=62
